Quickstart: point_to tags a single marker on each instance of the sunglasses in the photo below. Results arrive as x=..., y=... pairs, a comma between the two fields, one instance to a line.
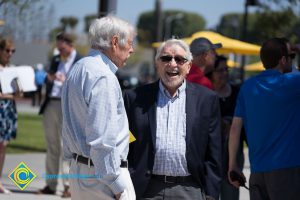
x=10, y=50
x=292, y=55
x=178, y=59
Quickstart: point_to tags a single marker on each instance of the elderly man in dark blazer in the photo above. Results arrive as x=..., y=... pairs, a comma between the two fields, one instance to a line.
x=177, y=152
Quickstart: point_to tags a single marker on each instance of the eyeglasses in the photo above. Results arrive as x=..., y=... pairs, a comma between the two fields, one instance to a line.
x=178, y=59
x=292, y=55
x=10, y=51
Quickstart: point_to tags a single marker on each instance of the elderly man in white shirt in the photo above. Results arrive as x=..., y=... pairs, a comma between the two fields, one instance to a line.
x=95, y=126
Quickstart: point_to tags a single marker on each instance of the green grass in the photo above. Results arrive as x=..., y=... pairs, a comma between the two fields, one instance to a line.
x=30, y=135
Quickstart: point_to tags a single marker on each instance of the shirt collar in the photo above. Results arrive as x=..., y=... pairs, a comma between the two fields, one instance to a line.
x=112, y=66
x=70, y=57
x=164, y=91
x=271, y=72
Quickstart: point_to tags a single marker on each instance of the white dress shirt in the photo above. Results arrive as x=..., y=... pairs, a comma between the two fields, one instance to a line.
x=63, y=68
x=95, y=123
x=170, y=149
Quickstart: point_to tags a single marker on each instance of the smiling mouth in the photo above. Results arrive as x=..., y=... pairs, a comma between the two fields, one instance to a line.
x=171, y=74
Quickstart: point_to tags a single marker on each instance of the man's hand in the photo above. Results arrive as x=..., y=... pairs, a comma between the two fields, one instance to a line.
x=60, y=77
x=117, y=196
x=51, y=77
x=234, y=180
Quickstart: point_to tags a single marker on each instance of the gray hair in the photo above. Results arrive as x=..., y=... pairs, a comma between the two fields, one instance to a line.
x=176, y=42
x=102, y=30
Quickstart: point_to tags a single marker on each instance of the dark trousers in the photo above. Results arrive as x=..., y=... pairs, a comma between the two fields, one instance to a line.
x=158, y=190
x=283, y=184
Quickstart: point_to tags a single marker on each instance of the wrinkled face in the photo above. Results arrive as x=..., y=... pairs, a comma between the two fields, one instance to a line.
x=64, y=48
x=220, y=74
x=6, y=53
x=172, y=66
x=122, y=53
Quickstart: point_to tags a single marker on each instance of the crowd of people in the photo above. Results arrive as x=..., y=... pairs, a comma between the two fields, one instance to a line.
x=190, y=125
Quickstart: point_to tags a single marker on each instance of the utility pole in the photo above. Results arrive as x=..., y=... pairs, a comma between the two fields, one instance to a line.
x=158, y=21
x=168, y=24
x=244, y=33
x=106, y=7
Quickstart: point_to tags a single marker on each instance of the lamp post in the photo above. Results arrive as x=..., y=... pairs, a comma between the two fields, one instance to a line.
x=158, y=21
x=168, y=24
x=106, y=6
x=244, y=32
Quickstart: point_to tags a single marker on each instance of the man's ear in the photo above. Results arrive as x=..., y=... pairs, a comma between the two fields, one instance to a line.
x=282, y=64
x=114, y=42
x=283, y=61
x=189, y=67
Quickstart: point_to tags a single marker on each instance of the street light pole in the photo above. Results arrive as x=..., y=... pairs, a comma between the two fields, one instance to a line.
x=244, y=37
x=106, y=6
x=158, y=20
x=244, y=33
x=168, y=24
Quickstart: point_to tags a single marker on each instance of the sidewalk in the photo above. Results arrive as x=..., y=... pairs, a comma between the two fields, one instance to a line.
x=36, y=162
x=24, y=106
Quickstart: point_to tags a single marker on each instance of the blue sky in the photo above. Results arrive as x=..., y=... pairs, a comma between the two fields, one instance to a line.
x=130, y=10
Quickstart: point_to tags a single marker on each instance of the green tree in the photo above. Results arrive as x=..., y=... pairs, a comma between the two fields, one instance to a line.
x=261, y=25
x=20, y=4
x=88, y=20
x=68, y=22
x=184, y=26
x=230, y=25
x=274, y=24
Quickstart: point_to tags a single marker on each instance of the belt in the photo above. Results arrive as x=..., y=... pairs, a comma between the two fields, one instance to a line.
x=173, y=179
x=88, y=161
x=55, y=98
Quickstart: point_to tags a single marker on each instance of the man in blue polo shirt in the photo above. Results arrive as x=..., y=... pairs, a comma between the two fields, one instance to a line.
x=269, y=107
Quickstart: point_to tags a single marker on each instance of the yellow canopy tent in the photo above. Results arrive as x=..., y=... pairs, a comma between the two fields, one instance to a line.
x=2, y=22
x=258, y=66
x=232, y=63
x=229, y=45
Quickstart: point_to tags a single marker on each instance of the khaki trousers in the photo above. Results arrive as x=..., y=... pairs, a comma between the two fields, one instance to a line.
x=92, y=188
x=52, y=121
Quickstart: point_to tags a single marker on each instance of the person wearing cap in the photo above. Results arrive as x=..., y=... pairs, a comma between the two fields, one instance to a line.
x=52, y=113
x=177, y=152
x=204, y=56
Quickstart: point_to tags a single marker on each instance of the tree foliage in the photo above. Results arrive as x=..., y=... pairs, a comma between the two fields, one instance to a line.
x=268, y=21
x=88, y=21
x=68, y=22
x=21, y=5
x=181, y=27
x=25, y=20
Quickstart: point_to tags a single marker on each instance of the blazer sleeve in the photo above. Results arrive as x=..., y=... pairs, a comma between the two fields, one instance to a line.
x=127, y=104
x=213, y=161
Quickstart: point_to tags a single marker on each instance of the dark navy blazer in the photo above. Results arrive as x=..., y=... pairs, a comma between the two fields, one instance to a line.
x=203, y=136
x=49, y=84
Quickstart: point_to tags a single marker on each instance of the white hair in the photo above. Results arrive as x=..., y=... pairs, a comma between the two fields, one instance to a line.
x=102, y=30
x=172, y=42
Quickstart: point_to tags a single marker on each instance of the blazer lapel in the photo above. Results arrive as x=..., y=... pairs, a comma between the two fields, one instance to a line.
x=190, y=109
x=152, y=111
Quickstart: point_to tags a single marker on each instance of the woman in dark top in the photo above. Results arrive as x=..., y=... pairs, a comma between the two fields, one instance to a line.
x=227, y=95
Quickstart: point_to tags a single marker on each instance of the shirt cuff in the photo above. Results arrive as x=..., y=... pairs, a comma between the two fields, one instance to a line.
x=119, y=185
